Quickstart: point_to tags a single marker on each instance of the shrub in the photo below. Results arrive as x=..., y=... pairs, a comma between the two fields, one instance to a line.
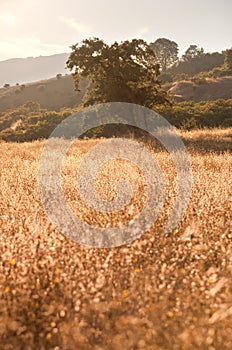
x=37, y=123
x=180, y=76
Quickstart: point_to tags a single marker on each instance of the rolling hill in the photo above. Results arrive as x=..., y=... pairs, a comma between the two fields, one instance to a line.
x=54, y=94
x=24, y=70
x=51, y=94
x=208, y=89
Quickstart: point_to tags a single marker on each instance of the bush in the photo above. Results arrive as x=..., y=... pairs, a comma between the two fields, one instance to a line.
x=180, y=76
x=37, y=123
x=190, y=115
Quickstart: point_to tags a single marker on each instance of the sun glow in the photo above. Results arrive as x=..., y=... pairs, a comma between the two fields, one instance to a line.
x=7, y=18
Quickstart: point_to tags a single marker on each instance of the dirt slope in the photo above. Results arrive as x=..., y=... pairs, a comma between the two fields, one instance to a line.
x=207, y=90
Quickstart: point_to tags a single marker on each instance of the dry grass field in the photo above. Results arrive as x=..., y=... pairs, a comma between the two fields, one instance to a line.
x=159, y=292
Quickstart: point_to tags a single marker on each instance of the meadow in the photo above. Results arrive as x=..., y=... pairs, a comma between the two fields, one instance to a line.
x=159, y=292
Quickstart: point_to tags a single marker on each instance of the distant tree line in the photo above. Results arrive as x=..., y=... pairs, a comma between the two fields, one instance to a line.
x=36, y=123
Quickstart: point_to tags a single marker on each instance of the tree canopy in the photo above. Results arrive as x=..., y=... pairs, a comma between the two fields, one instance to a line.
x=228, y=59
x=192, y=52
x=166, y=52
x=121, y=72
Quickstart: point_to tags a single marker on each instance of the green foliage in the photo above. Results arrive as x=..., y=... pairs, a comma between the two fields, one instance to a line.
x=190, y=115
x=224, y=70
x=29, y=122
x=166, y=52
x=33, y=123
x=124, y=72
x=215, y=73
x=180, y=76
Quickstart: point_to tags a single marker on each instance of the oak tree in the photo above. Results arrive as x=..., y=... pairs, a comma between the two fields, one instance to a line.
x=192, y=52
x=121, y=72
x=166, y=52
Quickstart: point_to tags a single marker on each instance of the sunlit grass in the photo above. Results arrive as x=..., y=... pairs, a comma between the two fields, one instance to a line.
x=159, y=292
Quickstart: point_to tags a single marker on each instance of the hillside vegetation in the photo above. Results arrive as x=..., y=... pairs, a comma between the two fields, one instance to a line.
x=197, y=76
x=202, y=89
x=54, y=94
x=32, y=111
x=51, y=94
x=29, y=122
x=195, y=65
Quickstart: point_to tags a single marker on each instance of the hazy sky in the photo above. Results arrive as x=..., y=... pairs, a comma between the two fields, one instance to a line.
x=44, y=27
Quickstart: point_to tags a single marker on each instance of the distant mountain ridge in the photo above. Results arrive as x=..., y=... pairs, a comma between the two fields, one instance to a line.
x=25, y=70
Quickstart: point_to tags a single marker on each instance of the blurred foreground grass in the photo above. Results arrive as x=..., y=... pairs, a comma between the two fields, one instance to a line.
x=159, y=292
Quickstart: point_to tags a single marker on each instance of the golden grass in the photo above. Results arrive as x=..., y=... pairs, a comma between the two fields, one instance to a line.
x=159, y=292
